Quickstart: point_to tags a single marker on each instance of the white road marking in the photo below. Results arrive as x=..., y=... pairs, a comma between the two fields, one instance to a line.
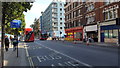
x=51, y=56
x=65, y=55
x=47, y=57
x=52, y=65
x=67, y=64
x=39, y=59
x=42, y=58
x=60, y=64
x=58, y=57
x=31, y=62
x=27, y=54
x=29, y=59
x=71, y=63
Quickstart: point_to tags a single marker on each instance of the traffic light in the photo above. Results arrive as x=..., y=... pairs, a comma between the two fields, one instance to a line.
x=117, y=21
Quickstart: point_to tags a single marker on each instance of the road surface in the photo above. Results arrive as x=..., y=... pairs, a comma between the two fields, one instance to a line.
x=58, y=53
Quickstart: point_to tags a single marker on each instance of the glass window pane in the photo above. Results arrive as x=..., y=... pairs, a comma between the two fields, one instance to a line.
x=106, y=34
x=110, y=34
x=110, y=14
x=115, y=33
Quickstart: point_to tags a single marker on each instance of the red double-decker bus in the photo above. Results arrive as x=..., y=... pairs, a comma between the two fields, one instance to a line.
x=29, y=35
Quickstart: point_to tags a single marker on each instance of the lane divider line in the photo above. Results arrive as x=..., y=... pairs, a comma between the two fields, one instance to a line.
x=29, y=58
x=60, y=64
x=39, y=59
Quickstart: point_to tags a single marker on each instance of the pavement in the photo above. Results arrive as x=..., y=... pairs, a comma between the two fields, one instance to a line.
x=102, y=44
x=11, y=59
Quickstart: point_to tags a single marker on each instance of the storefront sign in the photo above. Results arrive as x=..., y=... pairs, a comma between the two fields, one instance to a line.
x=70, y=33
x=91, y=28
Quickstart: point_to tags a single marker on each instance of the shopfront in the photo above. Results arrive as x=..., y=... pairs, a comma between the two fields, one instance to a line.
x=75, y=33
x=110, y=33
x=91, y=31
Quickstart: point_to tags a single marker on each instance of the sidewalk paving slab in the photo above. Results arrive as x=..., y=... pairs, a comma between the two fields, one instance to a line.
x=11, y=59
x=102, y=44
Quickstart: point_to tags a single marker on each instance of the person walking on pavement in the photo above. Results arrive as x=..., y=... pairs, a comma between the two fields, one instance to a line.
x=11, y=40
x=15, y=43
x=6, y=43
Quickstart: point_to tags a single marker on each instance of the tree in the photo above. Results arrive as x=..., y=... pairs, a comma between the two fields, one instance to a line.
x=14, y=10
x=36, y=27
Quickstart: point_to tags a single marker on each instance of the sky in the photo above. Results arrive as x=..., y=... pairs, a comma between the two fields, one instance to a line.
x=35, y=11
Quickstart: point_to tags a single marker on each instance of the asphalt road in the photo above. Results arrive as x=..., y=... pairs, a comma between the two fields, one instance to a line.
x=58, y=53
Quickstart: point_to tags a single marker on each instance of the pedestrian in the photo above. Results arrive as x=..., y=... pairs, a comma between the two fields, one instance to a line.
x=11, y=40
x=88, y=40
x=15, y=43
x=6, y=43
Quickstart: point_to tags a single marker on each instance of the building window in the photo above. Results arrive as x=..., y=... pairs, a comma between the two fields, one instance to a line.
x=60, y=27
x=90, y=20
x=115, y=33
x=115, y=13
x=111, y=33
x=106, y=15
x=79, y=11
x=106, y=34
x=54, y=10
x=54, y=5
x=55, y=29
x=110, y=14
x=60, y=14
x=109, y=1
x=60, y=23
x=90, y=7
x=60, y=9
x=54, y=14
x=60, y=4
x=60, y=18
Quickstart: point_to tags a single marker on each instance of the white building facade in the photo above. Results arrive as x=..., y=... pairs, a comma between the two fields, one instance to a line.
x=53, y=19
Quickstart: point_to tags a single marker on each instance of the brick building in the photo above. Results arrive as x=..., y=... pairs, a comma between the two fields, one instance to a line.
x=74, y=19
x=90, y=19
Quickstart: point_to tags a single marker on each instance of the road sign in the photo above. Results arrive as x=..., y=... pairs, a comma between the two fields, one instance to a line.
x=15, y=24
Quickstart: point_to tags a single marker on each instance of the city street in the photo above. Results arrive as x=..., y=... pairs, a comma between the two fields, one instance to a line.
x=58, y=53
x=60, y=33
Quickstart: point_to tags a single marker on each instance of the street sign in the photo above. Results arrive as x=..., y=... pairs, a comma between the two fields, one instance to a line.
x=15, y=24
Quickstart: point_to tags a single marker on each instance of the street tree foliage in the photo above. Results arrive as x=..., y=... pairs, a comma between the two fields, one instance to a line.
x=12, y=11
x=36, y=27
